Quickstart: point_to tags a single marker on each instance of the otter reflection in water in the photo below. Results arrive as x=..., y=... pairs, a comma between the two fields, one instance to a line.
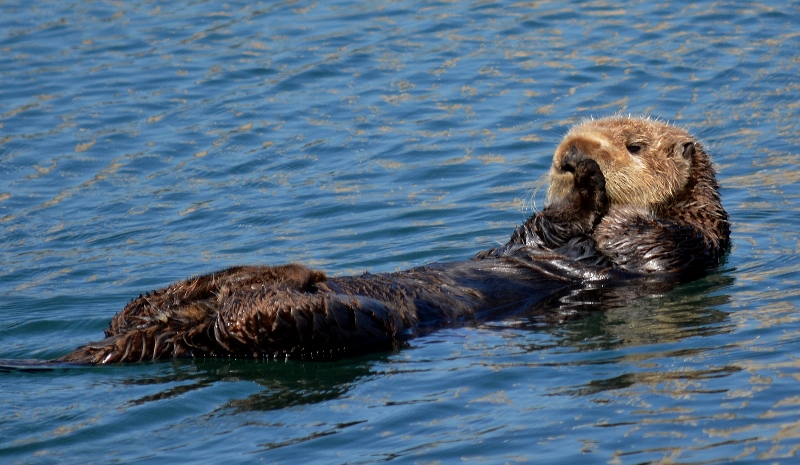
x=631, y=202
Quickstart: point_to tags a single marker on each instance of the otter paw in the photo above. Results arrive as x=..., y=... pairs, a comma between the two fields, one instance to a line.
x=590, y=187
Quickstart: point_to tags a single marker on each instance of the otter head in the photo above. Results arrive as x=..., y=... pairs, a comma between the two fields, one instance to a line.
x=645, y=162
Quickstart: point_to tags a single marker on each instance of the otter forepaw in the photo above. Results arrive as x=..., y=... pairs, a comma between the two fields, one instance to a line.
x=574, y=215
x=590, y=187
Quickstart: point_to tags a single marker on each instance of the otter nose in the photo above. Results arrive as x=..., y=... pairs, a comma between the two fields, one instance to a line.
x=570, y=160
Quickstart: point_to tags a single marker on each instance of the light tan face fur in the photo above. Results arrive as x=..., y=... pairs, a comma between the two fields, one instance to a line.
x=653, y=175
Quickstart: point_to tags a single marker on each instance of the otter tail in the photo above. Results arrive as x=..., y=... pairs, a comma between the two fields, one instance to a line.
x=176, y=321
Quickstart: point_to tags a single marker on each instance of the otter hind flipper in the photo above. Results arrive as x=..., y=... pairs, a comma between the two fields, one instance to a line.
x=152, y=343
x=176, y=321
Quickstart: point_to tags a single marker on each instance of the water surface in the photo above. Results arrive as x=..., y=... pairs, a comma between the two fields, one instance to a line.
x=144, y=142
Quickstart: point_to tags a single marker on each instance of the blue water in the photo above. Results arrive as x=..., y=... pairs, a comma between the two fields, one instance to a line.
x=145, y=142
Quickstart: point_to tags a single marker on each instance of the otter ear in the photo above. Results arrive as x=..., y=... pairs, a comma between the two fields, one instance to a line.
x=688, y=150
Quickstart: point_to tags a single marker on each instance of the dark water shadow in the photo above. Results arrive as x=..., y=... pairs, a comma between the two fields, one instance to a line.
x=285, y=384
x=624, y=317
x=647, y=328
x=628, y=315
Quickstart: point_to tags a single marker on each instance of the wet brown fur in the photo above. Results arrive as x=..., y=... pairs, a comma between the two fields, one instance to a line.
x=663, y=198
x=630, y=200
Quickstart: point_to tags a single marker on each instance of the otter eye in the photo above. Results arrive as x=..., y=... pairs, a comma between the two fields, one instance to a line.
x=634, y=149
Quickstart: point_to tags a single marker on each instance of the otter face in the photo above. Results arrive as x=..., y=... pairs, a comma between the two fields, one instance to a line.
x=645, y=162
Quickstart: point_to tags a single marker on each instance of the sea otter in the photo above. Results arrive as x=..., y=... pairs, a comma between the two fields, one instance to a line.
x=631, y=201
